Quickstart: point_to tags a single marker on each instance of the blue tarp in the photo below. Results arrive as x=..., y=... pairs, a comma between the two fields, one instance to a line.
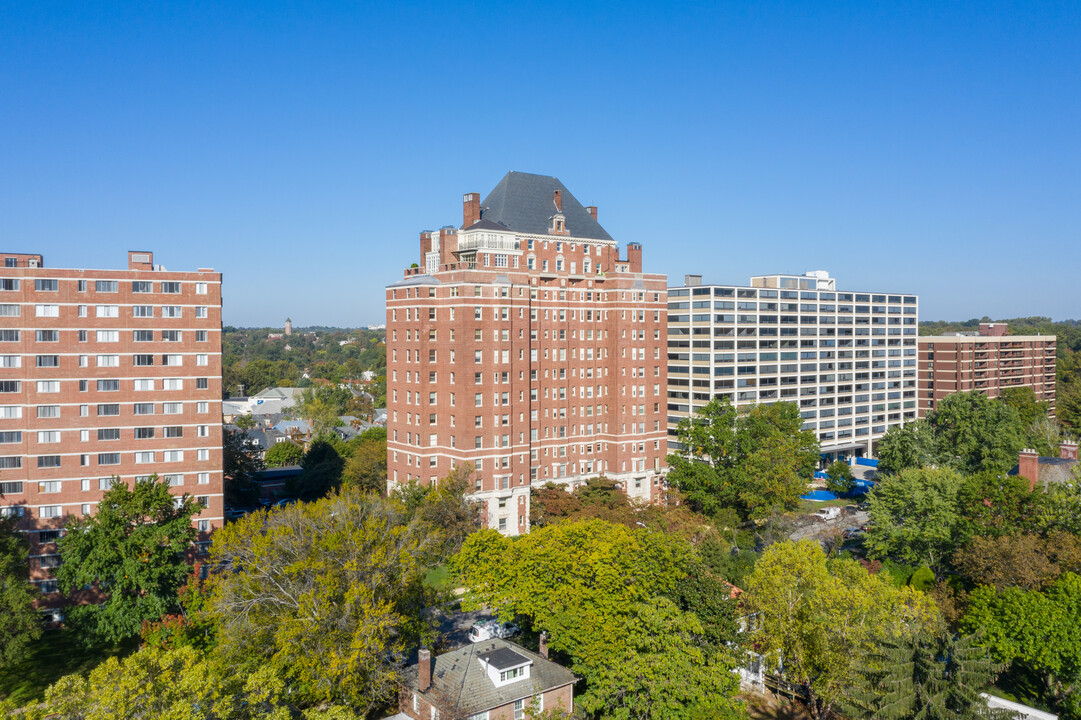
x=859, y=489
x=869, y=462
x=819, y=496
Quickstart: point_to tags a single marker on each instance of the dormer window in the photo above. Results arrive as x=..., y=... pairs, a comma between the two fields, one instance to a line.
x=513, y=674
x=504, y=666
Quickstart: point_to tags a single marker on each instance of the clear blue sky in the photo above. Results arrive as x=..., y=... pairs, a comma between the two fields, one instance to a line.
x=299, y=148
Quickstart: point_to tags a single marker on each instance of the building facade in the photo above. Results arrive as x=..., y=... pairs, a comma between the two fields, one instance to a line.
x=848, y=359
x=989, y=362
x=105, y=375
x=525, y=345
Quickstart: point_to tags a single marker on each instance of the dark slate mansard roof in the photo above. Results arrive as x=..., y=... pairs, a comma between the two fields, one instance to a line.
x=461, y=687
x=524, y=203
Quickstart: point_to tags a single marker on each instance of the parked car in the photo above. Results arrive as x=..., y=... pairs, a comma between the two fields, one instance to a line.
x=235, y=513
x=488, y=629
x=850, y=533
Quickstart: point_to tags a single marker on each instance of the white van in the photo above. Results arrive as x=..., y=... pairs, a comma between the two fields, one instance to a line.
x=488, y=629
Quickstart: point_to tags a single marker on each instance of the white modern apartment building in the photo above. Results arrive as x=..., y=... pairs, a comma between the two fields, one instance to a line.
x=848, y=359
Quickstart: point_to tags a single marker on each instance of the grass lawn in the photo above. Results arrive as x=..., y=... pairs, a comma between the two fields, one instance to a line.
x=56, y=654
x=441, y=578
x=809, y=507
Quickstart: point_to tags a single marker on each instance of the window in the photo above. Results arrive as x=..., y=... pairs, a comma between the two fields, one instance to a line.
x=204, y=526
x=200, y=312
x=172, y=360
x=110, y=336
x=81, y=285
x=144, y=311
x=111, y=409
x=105, y=483
x=11, y=361
x=9, y=311
x=143, y=360
x=12, y=462
x=108, y=385
x=9, y=283
x=108, y=311
x=173, y=431
x=9, y=336
x=47, y=336
x=172, y=288
x=82, y=336
x=11, y=436
x=171, y=311
x=172, y=384
x=108, y=458
x=12, y=488
x=108, y=361
x=49, y=511
x=48, y=436
x=142, y=286
x=48, y=386
x=144, y=457
x=144, y=384
x=48, y=361
x=204, y=478
x=108, y=433
x=144, y=433
x=47, y=310
x=174, y=408
x=106, y=286
x=48, y=461
x=200, y=336
x=10, y=386
x=175, y=480
x=82, y=311
x=200, y=288
x=204, y=454
x=48, y=411
x=202, y=431
x=202, y=383
x=143, y=409
x=12, y=412
x=144, y=336
x=43, y=285
x=202, y=359
x=171, y=335
x=202, y=407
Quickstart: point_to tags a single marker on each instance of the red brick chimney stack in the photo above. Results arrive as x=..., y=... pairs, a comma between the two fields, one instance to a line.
x=424, y=670
x=470, y=209
x=544, y=645
x=634, y=256
x=1068, y=451
x=558, y=199
x=1028, y=467
x=592, y=210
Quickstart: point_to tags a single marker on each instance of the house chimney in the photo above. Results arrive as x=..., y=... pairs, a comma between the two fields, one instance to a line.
x=634, y=256
x=1028, y=467
x=1068, y=451
x=544, y=645
x=424, y=669
x=592, y=210
x=470, y=209
x=557, y=197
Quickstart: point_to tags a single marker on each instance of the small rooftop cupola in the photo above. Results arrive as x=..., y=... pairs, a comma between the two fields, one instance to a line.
x=504, y=666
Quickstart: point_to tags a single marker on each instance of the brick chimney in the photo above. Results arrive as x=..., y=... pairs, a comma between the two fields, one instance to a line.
x=543, y=645
x=1028, y=467
x=592, y=210
x=634, y=256
x=557, y=198
x=1068, y=451
x=470, y=209
x=424, y=669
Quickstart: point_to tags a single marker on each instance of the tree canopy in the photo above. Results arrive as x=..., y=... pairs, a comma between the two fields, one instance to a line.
x=132, y=550
x=757, y=460
x=19, y=623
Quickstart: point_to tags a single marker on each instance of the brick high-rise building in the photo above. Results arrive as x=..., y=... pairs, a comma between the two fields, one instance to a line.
x=525, y=345
x=989, y=362
x=105, y=374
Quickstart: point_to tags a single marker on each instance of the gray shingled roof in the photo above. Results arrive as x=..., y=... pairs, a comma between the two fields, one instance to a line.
x=461, y=687
x=1052, y=470
x=524, y=203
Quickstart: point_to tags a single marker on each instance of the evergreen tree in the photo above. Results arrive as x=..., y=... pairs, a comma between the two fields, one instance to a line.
x=929, y=677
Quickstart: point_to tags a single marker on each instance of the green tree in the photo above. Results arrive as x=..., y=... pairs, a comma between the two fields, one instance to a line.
x=283, y=453
x=757, y=460
x=974, y=433
x=839, y=478
x=912, y=445
x=1024, y=560
x=660, y=672
x=321, y=407
x=915, y=517
x=817, y=616
x=448, y=510
x=1061, y=508
x=325, y=594
x=19, y=624
x=996, y=504
x=322, y=467
x=1041, y=630
x=932, y=676
x=366, y=467
x=1024, y=402
x=132, y=550
x=240, y=465
x=244, y=422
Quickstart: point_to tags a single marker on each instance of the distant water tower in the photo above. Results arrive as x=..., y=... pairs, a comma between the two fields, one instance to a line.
x=288, y=326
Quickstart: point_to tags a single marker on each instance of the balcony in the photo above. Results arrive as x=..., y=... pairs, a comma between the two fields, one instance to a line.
x=486, y=241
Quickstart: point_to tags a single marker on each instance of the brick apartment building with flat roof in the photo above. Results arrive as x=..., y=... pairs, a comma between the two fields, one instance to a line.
x=989, y=362
x=105, y=374
x=525, y=345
